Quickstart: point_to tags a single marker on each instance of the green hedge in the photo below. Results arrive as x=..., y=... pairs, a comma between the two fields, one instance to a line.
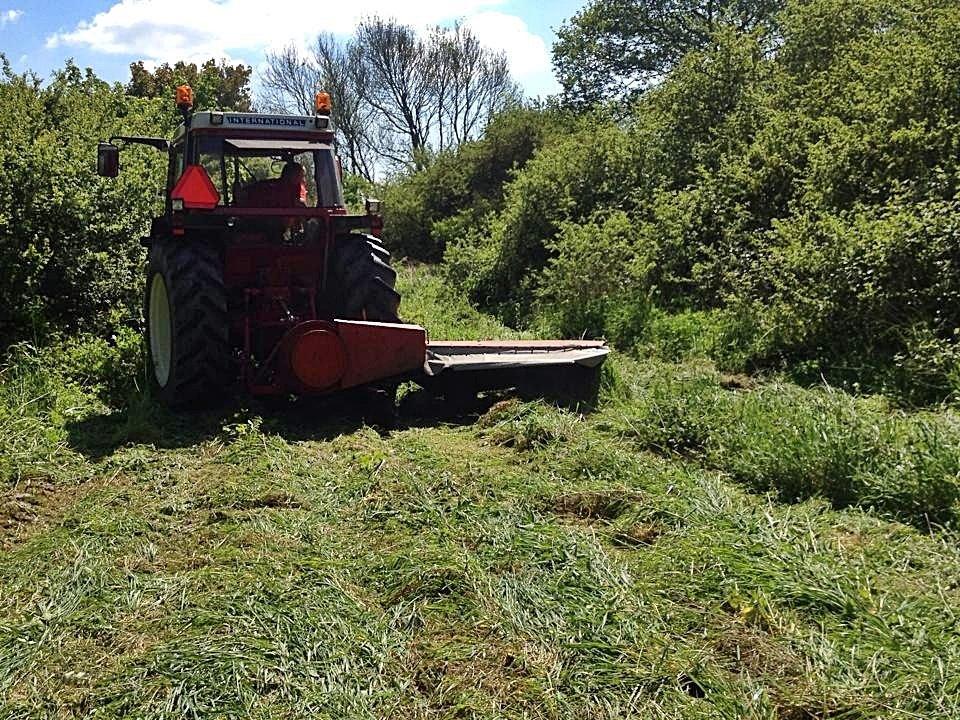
x=69, y=241
x=807, y=180
x=425, y=210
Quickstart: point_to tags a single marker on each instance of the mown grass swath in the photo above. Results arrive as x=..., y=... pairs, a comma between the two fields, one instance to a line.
x=537, y=562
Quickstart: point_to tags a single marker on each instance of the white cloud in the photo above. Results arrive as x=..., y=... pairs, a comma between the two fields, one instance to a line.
x=174, y=29
x=169, y=30
x=527, y=52
x=10, y=16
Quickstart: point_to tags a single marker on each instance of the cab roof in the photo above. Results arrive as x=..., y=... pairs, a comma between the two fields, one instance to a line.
x=266, y=122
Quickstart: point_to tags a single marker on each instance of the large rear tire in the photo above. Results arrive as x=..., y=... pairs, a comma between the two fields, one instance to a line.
x=362, y=280
x=185, y=308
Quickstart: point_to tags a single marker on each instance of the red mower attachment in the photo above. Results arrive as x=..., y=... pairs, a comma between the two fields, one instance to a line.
x=318, y=356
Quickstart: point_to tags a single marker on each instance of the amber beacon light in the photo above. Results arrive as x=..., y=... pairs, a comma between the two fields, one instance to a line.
x=323, y=104
x=184, y=97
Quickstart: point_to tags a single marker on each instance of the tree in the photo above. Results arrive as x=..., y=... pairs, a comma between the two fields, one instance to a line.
x=215, y=85
x=613, y=49
x=398, y=97
x=291, y=80
x=471, y=84
x=341, y=73
x=400, y=86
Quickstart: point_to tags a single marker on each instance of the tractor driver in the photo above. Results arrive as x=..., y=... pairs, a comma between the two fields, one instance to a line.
x=293, y=180
x=287, y=191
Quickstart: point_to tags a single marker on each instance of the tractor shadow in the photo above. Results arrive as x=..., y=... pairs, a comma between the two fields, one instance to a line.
x=144, y=421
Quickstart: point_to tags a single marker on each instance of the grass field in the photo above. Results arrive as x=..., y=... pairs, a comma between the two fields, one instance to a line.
x=700, y=546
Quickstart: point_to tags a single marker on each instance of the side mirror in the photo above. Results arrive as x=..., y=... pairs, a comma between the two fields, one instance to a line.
x=108, y=160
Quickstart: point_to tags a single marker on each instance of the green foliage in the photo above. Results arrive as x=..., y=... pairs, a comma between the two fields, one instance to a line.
x=34, y=406
x=806, y=199
x=109, y=368
x=595, y=280
x=436, y=304
x=614, y=49
x=733, y=338
x=356, y=189
x=804, y=443
x=215, y=85
x=823, y=443
x=69, y=241
x=42, y=390
x=426, y=210
x=882, y=282
x=589, y=168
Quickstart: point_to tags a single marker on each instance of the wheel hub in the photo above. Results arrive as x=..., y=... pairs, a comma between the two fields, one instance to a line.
x=161, y=351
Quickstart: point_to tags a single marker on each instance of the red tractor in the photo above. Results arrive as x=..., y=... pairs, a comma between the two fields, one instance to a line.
x=257, y=275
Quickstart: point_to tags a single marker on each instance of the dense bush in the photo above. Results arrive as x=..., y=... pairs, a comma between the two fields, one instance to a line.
x=596, y=279
x=589, y=168
x=69, y=241
x=457, y=189
x=800, y=187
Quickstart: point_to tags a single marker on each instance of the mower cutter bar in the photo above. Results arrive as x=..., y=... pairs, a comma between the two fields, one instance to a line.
x=468, y=356
x=564, y=370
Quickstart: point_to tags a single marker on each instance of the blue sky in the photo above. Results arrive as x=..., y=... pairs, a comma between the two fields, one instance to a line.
x=108, y=35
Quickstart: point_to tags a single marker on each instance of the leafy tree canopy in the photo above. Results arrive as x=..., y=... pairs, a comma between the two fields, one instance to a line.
x=613, y=49
x=215, y=85
x=69, y=252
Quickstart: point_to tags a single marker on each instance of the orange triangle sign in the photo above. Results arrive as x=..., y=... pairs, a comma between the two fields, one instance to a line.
x=196, y=189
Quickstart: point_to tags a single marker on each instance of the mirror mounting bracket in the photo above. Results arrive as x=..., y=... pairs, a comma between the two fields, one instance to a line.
x=154, y=142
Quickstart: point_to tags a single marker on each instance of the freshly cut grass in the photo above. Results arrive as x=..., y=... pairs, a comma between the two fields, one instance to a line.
x=524, y=425
x=533, y=564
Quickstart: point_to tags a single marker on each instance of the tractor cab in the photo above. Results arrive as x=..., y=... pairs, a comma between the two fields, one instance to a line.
x=221, y=162
x=264, y=167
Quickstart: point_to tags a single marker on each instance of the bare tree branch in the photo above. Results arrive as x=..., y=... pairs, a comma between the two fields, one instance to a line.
x=397, y=97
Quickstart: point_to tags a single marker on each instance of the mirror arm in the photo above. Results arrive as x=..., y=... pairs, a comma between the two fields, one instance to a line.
x=154, y=142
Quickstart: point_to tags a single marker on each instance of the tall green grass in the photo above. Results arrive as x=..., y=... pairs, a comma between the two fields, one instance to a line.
x=801, y=443
x=430, y=300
